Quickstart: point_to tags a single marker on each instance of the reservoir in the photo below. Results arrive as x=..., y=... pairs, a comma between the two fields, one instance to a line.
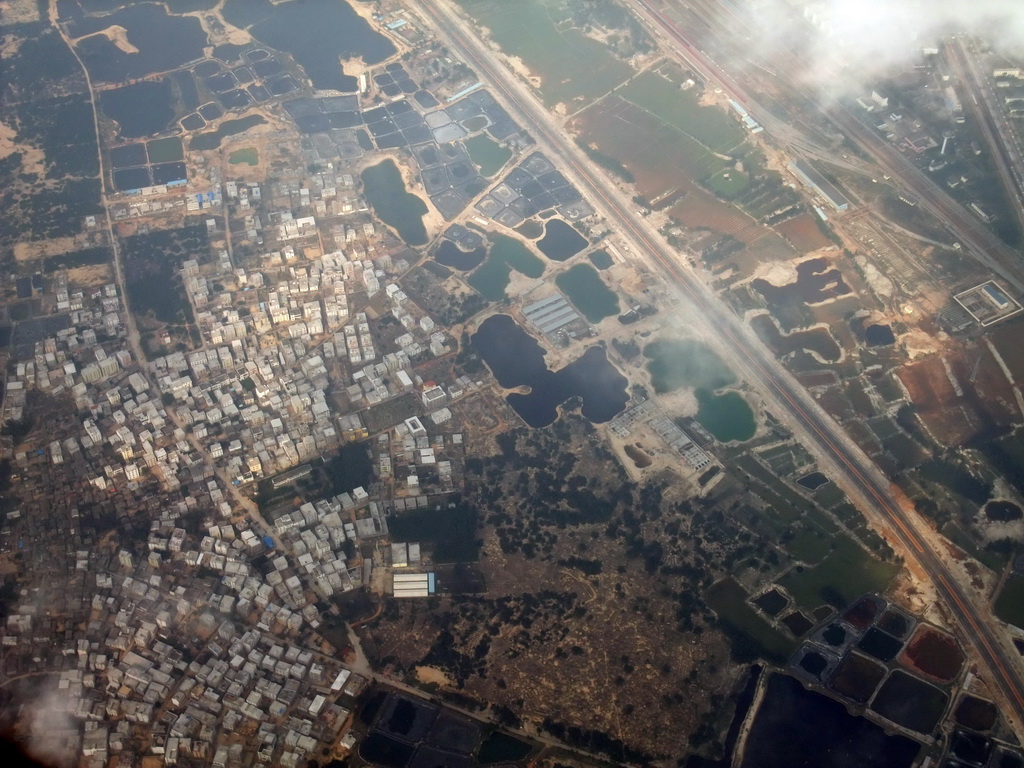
x=816, y=282
x=588, y=292
x=507, y=253
x=601, y=259
x=560, y=241
x=139, y=109
x=674, y=364
x=879, y=335
x=450, y=255
x=165, y=42
x=386, y=194
x=516, y=359
x=488, y=156
x=794, y=726
x=727, y=416
x=317, y=33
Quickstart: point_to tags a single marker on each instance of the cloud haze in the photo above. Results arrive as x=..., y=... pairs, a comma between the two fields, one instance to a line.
x=866, y=38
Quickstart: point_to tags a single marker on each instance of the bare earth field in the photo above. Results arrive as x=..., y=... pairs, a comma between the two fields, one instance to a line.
x=1007, y=340
x=928, y=384
x=949, y=417
x=577, y=626
x=803, y=232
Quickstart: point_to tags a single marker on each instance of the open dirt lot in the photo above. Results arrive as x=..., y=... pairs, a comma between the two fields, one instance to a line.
x=928, y=384
x=803, y=232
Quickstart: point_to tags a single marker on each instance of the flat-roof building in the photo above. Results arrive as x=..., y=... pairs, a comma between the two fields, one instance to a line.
x=811, y=178
x=550, y=314
x=412, y=584
x=988, y=303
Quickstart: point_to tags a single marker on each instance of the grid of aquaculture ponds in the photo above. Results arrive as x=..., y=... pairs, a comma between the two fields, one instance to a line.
x=531, y=187
x=147, y=163
x=337, y=126
x=258, y=78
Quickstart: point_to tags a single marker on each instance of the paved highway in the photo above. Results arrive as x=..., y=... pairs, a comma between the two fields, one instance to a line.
x=850, y=467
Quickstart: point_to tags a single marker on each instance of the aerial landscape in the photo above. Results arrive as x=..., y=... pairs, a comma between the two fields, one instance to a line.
x=557, y=383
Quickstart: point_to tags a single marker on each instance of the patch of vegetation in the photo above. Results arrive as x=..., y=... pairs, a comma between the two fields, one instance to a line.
x=681, y=109
x=845, y=574
x=609, y=163
x=87, y=257
x=589, y=567
x=751, y=636
x=728, y=183
x=42, y=96
x=153, y=273
x=572, y=67
x=350, y=468
x=1009, y=605
x=451, y=532
x=246, y=156
x=956, y=478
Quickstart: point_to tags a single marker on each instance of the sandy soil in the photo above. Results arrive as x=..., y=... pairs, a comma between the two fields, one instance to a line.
x=236, y=36
x=519, y=285
x=116, y=34
x=426, y=675
x=778, y=273
x=31, y=158
x=881, y=285
x=99, y=274
x=919, y=344
x=519, y=67
x=39, y=249
x=682, y=402
x=19, y=11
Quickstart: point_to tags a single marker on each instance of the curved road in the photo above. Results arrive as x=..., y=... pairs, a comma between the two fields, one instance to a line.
x=850, y=464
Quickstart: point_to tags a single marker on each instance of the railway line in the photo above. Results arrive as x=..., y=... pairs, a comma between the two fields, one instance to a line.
x=979, y=241
x=997, y=136
x=852, y=469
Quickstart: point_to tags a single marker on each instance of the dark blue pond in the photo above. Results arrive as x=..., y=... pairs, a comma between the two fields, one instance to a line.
x=139, y=109
x=879, y=335
x=317, y=33
x=516, y=359
x=450, y=255
x=797, y=727
x=165, y=42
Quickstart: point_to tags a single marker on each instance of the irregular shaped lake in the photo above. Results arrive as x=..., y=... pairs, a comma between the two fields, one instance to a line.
x=450, y=255
x=516, y=359
x=318, y=34
x=816, y=282
x=794, y=726
x=560, y=241
x=687, y=363
x=386, y=193
x=164, y=42
x=588, y=292
x=506, y=254
x=140, y=109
